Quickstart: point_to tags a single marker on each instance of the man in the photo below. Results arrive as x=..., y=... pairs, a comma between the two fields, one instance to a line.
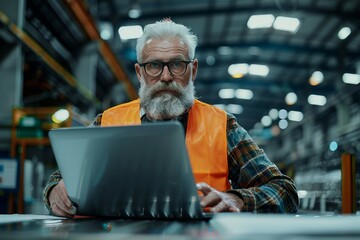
x=231, y=172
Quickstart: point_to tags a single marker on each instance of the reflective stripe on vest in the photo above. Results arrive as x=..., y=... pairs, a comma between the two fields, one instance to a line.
x=207, y=149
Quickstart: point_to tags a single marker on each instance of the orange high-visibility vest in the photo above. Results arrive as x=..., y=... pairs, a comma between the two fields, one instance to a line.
x=206, y=139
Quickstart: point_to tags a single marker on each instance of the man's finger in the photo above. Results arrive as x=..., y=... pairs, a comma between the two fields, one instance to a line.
x=204, y=188
x=57, y=210
x=62, y=208
x=210, y=200
x=222, y=206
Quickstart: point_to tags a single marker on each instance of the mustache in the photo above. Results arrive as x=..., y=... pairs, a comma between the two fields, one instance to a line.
x=159, y=87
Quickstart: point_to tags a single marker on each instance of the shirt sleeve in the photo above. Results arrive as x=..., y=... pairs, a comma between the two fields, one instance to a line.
x=55, y=178
x=254, y=178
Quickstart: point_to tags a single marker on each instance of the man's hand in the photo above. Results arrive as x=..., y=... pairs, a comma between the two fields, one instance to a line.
x=59, y=201
x=217, y=201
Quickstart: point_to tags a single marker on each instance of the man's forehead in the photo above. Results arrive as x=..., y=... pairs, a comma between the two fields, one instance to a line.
x=168, y=47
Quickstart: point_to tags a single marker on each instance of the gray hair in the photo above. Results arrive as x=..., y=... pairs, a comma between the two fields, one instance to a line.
x=164, y=29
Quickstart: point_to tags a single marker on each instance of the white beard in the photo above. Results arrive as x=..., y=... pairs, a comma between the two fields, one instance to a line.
x=163, y=106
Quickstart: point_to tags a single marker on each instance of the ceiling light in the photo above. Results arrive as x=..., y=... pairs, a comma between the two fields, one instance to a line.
x=244, y=94
x=344, y=33
x=266, y=121
x=106, y=30
x=302, y=193
x=286, y=24
x=130, y=32
x=225, y=50
x=254, y=51
x=274, y=113
x=318, y=100
x=210, y=60
x=135, y=11
x=237, y=75
x=60, y=115
x=283, y=124
x=350, y=78
x=260, y=70
x=316, y=78
x=333, y=146
x=296, y=116
x=291, y=98
x=238, y=70
x=234, y=108
x=283, y=114
x=226, y=93
x=260, y=21
x=221, y=106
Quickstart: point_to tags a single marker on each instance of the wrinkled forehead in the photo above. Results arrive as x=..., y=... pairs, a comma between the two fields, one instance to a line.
x=164, y=47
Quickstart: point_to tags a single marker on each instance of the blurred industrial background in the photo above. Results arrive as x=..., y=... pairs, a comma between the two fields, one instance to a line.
x=287, y=69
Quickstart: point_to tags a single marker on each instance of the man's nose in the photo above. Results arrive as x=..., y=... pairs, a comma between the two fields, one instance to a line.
x=166, y=75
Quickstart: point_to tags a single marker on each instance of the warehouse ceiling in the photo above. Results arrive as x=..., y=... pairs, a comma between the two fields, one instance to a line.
x=224, y=39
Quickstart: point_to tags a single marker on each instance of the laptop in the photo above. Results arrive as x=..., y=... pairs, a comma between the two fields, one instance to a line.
x=137, y=171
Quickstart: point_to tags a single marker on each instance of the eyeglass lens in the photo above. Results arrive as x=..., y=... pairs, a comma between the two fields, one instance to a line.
x=155, y=68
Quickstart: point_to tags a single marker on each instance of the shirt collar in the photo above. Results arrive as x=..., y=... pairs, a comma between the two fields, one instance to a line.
x=179, y=118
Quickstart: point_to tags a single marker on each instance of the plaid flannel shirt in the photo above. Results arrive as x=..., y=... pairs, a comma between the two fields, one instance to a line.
x=254, y=178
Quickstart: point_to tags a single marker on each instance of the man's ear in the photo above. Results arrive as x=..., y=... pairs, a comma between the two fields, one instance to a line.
x=194, y=69
x=138, y=70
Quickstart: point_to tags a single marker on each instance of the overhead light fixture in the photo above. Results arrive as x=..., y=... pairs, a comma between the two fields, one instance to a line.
x=333, y=146
x=130, y=32
x=283, y=114
x=316, y=78
x=260, y=70
x=283, y=124
x=286, y=24
x=234, y=108
x=318, y=100
x=260, y=21
x=350, y=78
x=238, y=70
x=295, y=116
x=231, y=108
x=302, y=193
x=291, y=98
x=106, y=31
x=266, y=121
x=135, y=11
x=221, y=106
x=210, y=60
x=225, y=50
x=244, y=94
x=60, y=116
x=226, y=93
x=254, y=51
x=344, y=33
x=274, y=113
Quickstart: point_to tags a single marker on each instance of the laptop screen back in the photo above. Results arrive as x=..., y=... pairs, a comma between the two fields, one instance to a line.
x=138, y=171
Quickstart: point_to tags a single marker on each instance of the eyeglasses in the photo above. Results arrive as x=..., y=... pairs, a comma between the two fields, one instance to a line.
x=155, y=69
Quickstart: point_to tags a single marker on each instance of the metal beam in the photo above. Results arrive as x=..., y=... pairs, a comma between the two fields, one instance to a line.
x=265, y=45
x=81, y=13
x=44, y=55
x=346, y=16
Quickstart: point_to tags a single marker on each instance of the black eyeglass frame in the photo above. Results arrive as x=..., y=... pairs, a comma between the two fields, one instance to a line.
x=166, y=64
